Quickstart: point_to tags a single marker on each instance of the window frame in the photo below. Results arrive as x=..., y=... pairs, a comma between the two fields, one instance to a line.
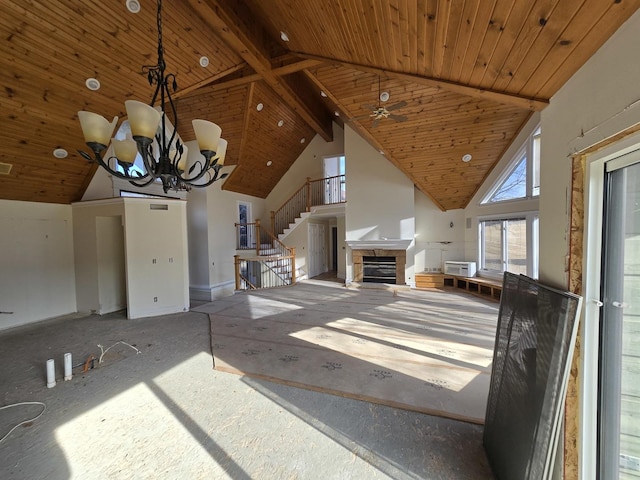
x=530, y=150
x=596, y=163
x=532, y=243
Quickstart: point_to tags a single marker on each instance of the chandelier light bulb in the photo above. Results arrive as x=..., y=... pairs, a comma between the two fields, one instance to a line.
x=207, y=134
x=221, y=152
x=126, y=150
x=96, y=128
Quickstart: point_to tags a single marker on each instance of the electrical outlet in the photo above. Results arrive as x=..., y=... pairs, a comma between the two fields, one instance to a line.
x=630, y=463
x=155, y=299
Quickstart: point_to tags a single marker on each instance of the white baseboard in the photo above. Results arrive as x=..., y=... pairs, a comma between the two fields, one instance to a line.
x=208, y=293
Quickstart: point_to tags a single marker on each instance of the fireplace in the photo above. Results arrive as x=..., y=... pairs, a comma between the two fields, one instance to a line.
x=389, y=263
x=378, y=269
x=381, y=254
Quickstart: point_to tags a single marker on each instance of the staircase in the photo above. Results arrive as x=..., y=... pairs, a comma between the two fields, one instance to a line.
x=268, y=262
x=314, y=193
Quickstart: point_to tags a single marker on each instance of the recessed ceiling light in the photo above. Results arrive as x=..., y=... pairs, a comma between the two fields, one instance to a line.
x=384, y=96
x=269, y=163
x=204, y=61
x=5, y=168
x=336, y=113
x=259, y=107
x=92, y=84
x=133, y=6
x=60, y=153
x=322, y=94
x=466, y=157
x=281, y=123
x=284, y=37
x=302, y=140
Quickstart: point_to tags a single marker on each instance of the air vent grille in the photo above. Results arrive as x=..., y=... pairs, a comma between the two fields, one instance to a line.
x=5, y=168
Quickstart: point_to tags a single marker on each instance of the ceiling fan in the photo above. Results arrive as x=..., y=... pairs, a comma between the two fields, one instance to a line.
x=380, y=112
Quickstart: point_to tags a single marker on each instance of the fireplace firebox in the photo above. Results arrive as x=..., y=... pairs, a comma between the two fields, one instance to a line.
x=379, y=269
x=379, y=264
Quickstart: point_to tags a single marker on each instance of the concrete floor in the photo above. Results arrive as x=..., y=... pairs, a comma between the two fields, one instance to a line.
x=165, y=413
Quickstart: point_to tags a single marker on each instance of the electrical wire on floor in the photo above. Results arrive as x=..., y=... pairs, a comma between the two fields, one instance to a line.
x=103, y=351
x=44, y=407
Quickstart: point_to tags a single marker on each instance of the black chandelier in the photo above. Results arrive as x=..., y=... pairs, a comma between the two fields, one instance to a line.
x=164, y=156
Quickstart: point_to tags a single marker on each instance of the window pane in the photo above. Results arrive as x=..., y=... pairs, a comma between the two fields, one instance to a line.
x=517, y=246
x=515, y=186
x=619, y=442
x=535, y=168
x=492, y=245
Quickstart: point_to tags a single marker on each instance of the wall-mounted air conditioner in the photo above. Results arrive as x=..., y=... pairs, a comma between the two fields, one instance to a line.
x=462, y=269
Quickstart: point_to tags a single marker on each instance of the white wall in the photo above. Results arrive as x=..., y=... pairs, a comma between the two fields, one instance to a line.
x=299, y=239
x=308, y=164
x=198, y=237
x=436, y=240
x=600, y=100
x=37, y=279
x=380, y=199
x=212, y=215
x=157, y=264
x=342, y=248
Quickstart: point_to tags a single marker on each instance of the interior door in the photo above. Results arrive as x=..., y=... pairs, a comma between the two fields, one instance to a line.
x=619, y=375
x=317, y=250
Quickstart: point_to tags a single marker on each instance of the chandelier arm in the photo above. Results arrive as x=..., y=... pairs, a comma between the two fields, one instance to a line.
x=200, y=174
x=146, y=152
x=97, y=148
x=215, y=177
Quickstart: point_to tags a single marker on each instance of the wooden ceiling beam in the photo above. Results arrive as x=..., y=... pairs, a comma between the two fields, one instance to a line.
x=534, y=104
x=207, y=81
x=218, y=82
x=236, y=31
x=364, y=133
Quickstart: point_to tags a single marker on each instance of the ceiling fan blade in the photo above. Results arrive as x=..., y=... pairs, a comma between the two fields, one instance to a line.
x=361, y=117
x=398, y=118
x=397, y=106
x=369, y=107
x=375, y=123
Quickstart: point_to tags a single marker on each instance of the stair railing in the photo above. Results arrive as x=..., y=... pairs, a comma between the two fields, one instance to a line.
x=253, y=236
x=323, y=191
x=265, y=272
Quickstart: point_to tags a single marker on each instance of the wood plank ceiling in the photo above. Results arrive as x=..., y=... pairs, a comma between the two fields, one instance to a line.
x=470, y=72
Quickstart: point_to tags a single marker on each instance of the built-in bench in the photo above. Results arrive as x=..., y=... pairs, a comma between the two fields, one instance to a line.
x=429, y=280
x=481, y=286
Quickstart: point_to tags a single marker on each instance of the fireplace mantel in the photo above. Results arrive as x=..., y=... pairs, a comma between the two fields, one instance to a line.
x=384, y=244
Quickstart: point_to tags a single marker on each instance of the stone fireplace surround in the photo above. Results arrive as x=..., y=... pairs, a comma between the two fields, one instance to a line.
x=379, y=248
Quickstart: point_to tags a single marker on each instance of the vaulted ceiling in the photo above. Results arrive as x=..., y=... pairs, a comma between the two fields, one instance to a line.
x=470, y=72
